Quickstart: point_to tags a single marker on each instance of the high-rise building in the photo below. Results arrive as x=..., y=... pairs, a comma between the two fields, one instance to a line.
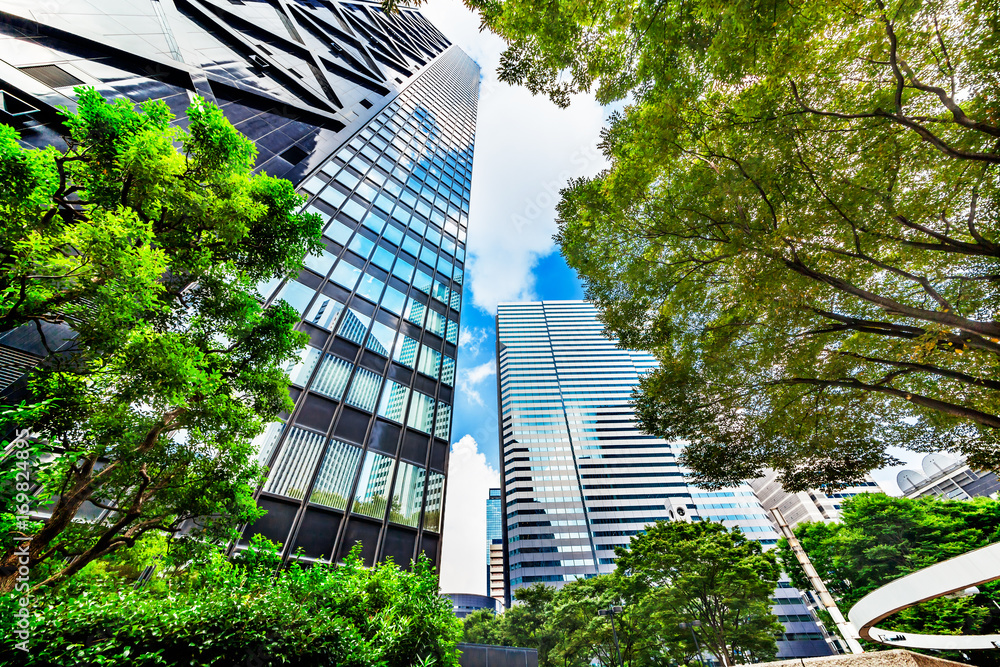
x=494, y=545
x=811, y=505
x=372, y=116
x=948, y=478
x=580, y=478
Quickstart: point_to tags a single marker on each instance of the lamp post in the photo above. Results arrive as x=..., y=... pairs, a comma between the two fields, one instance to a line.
x=611, y=611
x=691, y=626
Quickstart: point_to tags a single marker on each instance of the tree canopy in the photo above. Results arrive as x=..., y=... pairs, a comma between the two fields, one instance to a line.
x=799, y=219
x=881, y=538
x=147, y=239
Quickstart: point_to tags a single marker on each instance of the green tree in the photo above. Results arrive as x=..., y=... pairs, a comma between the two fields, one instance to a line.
x=881, y=538
x=704, y=572
x=151, y=253
x=524, y=624
x=482, y=627
x=798, y=219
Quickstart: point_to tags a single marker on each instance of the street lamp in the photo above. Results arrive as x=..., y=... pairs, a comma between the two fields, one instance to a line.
x=692, y=625
x=611, y=611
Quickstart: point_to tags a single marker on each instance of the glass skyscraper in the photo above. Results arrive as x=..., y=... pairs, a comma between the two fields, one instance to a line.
x=372, y=116
x=494, y=545
x=580, y=478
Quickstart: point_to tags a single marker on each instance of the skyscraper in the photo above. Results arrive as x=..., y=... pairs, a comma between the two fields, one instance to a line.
x=579, y=476
x=948, y=478
x=372, y=116
x=811, y=505
x=494, y=545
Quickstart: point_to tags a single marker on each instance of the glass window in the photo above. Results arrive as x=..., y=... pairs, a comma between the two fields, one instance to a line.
x=423, y=208
x=421, y=415
x=459, y=276
x=338, y=231
x=324, y=312
x=411, y=245
x=418, y=225
x=354, y=326
x=406, y=351
x=428, y=256
x=364, y=390
x=384, y=202
x=434, y=236
x=439, y=292
x=346, y=274
x=296, y=461
x=435, y=322
x=380, y=339
x=347, y=179
x=299, y=370
x=407, y=495
x=444, y=266
x=332, y=377
x=393, y=300
x=392, y=234
x=354, y=210
x=370, y=287
x=266, y=287
x=403, y=270
x=442, y=427
x=393, y=402
x=430, y=361
x=265, y=442
x=448, y=371
x=456, y=300
x=333, y=197
x=366, y=190
x=422, y=282
x=320, y=263
x=296, y=295
x=452, y=333
x=333, y=483
x=383, y=259
x=375, y=221
x=372, y=497
x=415, y=312
x=362, y=245
x=401, y=215
x=432, y=511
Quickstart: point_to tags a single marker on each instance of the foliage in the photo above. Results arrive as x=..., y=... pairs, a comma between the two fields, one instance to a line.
x=881, y=538
x=225, y=613
x=672, y=574
x=482, y=627
x=799, y=219
x=150, y=253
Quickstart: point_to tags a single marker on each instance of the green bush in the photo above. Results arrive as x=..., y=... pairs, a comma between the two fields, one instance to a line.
x=226, y=613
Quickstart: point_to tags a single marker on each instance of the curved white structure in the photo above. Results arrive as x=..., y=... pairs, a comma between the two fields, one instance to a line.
x=950, y=576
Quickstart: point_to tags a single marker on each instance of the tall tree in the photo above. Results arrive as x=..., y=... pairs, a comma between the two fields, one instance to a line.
x=799, y=219
x=881, y=538
x=151, y=253
x=704, y=572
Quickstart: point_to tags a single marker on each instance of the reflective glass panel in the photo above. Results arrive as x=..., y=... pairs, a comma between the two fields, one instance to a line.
x=364, y=390
x=299, y=370
x=407, y=495
x=430, y=361
x=393, y=300
x=393, y=403
x=324, y=312
x=297, y=295
x=346, y=274
x=421, y=416
x=380, y=339
x=416, y=312
x=332, y=377
x=406, y=351
x=370, y=287
x=372, y=497
x=435, y=493
x=448, y=371
x=442, y=428
x=296, y=461
x=321, y=263
x=354, y=326
x=333, y=483
x=435, y=322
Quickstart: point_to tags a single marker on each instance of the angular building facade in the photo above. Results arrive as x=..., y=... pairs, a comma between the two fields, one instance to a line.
x=580, y=478
x=803, y=506
x=372, y=116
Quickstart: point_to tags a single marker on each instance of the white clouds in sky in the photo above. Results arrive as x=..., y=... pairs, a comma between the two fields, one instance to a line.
x=471, y=338
x=463, y=556
x=469, y=379
x=526, y=150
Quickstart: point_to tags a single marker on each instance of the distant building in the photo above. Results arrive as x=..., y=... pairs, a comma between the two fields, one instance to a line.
x=494, y=545
x=802, y=506
x=949, y=478
x=464, y=604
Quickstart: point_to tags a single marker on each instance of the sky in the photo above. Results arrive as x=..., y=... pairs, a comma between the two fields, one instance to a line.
x=526, y=150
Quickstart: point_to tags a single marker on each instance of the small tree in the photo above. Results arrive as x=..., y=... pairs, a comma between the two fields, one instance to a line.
x=704, y=572
x=482, y=627
x=151, y=254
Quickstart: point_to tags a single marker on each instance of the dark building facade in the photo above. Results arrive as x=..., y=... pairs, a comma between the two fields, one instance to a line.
x=372, y=116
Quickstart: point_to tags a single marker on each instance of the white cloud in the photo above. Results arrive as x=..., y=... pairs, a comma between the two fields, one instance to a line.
x=526, y=150
x=468, y=379
x=463, y=554
x=471, y=338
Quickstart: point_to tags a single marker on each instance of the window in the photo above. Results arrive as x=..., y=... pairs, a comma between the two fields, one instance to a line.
x=296, y=294
x=332, y=377
x=407, y=495
x=421, y=415
x=439, y=292
x=383, y=259
x=430, y=361
x=295, y=463
x=362, y=245
x=406, y=351
x=411, y=245
x=393, y=403
x=346, y=275
x=265, y=442
x=333, y=483
x=364, y=390
x=422, y=282
x=371, y=498
x=415, y=312
x=393, y=300
x=432, y=511
x=442, y=427
x=338, y=231
x=370, y=287
x=320, y=263
x=448, y=370
x=393, y=235
x=403, y=270
x=435, y=322
x=380, y=339
x=452, y=335
x=333, y=197
x=299, y=370
x=353, y=210
x=324, y=312
x=354, y=326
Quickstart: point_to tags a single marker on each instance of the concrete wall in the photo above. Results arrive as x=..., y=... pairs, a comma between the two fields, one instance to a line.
x=481, y=655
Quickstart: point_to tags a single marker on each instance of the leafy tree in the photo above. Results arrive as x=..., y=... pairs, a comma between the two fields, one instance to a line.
x=524, y=624
x=799, y=219
x=704, y=572
x=881, y=538
x=222, y=612
x=151, y=254
x=482, y=627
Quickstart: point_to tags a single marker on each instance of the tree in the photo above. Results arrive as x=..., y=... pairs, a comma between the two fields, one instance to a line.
x=524, y=624
x=798, y=220
x=704, y=572
x=151, y=254
x=881, y=538
x=482, y=627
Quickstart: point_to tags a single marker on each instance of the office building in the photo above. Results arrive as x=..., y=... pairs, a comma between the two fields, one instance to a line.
x=372, y=116
x=580, y=478
x=947, y=478
x=464, y=604
x=803, y=506
x=494, y=545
